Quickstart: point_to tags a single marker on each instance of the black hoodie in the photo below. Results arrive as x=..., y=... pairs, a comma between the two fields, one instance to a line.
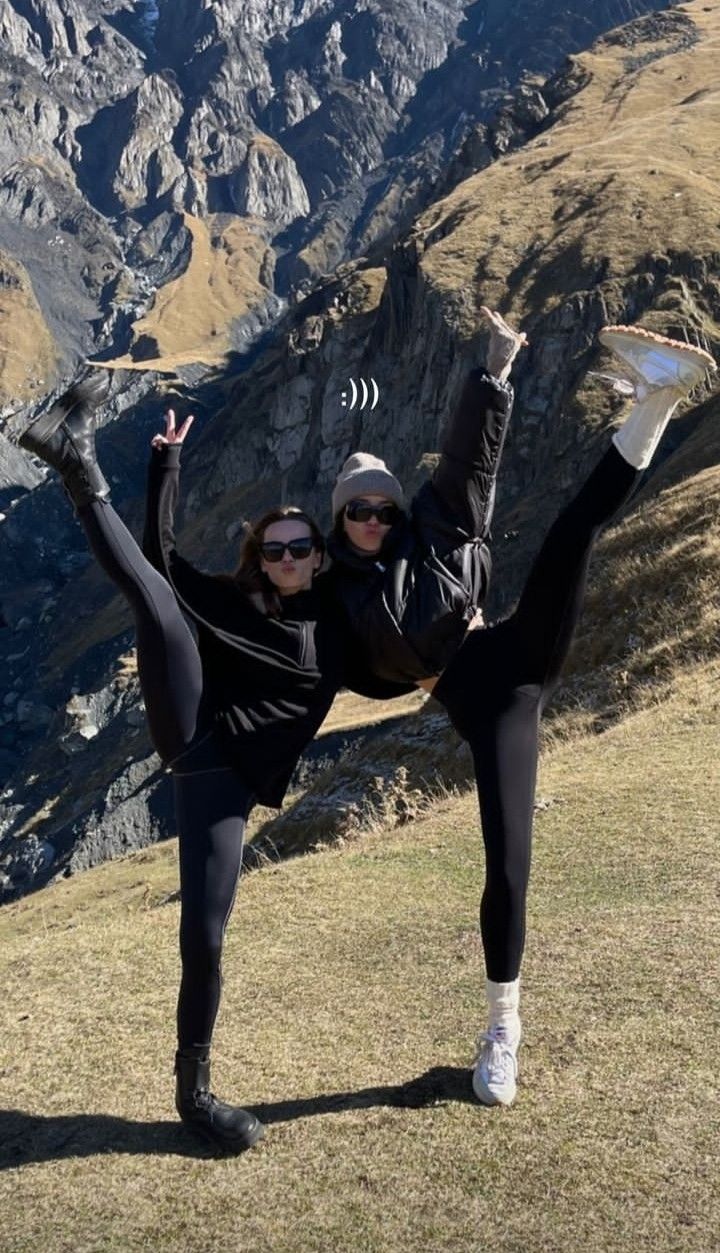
x=269, y=682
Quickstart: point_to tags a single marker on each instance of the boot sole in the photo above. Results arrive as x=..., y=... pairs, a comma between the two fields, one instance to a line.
x=227, y=1148
x=618, y=338
x=43, y=428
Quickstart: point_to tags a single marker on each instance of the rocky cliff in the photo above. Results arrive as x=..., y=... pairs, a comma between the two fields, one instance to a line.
x=570, y=202
x=322, y=126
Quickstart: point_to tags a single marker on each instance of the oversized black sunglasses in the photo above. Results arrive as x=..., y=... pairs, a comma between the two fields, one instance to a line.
x=363, y=511
x=273, y=550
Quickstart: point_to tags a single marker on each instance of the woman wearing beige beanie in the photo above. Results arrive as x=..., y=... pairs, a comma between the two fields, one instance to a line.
x=410, y=585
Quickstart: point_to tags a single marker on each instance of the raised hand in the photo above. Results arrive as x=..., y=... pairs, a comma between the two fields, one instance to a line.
x=505, y=344
x=172, y=436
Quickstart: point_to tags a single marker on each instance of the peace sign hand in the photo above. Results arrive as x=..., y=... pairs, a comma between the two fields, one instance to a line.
x=172, y=436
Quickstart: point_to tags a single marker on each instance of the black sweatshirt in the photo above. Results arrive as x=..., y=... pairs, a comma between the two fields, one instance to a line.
x=269, y=682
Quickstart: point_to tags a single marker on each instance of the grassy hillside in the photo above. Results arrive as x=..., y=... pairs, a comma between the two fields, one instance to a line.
x=352, y=998
x=191, y=316
x=27, y=351
x=626, y=176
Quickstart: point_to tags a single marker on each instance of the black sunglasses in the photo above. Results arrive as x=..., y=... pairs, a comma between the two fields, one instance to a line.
x=273, y=550
x=363, y=511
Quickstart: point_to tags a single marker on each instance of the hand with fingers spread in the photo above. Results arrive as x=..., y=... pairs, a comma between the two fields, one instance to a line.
x=505, y=344
x=172, y=436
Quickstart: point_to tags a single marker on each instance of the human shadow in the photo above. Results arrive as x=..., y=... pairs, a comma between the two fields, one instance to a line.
x=441, y=1083
x=32, y=1138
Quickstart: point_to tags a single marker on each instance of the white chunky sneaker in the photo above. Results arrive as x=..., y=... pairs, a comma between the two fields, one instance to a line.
x=654, y=361
x=494, y=1077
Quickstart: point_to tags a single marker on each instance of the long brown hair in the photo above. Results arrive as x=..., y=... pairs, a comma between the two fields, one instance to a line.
x=248, y=575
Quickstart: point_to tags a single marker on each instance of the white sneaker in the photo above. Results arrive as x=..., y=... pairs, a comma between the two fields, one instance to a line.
x=495, y=1073
x=654, y=361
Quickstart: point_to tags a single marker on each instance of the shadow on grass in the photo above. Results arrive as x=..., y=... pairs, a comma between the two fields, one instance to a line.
x=32, y=1138
x=442, y=1083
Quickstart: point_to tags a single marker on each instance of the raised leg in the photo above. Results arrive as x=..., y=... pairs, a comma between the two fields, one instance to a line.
x=169, y=665
x=549, y=608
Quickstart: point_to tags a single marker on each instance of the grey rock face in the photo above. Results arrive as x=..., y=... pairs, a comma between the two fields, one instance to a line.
x=41, y=29
x=268, y=185
x=148, y=166
x=27, y=862
x=325, y=123
x=16, y=470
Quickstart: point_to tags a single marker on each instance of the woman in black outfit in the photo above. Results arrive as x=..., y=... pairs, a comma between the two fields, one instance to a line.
x=228, y=716
x=409, y=586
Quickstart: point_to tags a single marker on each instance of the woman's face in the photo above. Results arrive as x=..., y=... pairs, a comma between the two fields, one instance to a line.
x=289, y=569
x=367, y=535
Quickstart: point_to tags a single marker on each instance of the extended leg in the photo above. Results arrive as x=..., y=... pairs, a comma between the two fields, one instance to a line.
x=662, y=372
x=550, y=604
x=169, y=666
x=168, y=662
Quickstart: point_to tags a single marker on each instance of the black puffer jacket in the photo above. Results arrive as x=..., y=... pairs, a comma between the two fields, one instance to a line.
x=408, y=608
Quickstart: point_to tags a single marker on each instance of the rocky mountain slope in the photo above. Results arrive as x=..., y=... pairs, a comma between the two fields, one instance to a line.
x=597, y=203
x=294, y=133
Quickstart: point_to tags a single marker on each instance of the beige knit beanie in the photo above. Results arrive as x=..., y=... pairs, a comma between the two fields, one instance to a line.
x=365, y=475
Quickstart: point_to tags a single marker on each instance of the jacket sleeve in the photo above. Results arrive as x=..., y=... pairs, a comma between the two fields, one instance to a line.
x=163, y=487
x=471, y=449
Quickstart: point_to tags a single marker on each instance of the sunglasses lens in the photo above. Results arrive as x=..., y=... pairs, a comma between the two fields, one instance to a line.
x=300, y=548
x=387, y=514
x=273, y=550
x=361, y=511
x=357, y=512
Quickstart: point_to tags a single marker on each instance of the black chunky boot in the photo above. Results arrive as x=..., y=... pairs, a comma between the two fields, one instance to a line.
x=226, y=1127
x=64, y=437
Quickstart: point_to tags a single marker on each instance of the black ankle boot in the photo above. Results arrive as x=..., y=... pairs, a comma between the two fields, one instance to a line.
x=64, y=437
x=226, y=1127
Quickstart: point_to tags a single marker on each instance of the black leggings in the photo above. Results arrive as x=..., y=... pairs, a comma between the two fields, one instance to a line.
x=496, y=687
x=212, y=801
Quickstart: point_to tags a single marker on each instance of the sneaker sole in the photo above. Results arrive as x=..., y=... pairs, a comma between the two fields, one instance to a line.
x=486, y=1097
x=618, y=338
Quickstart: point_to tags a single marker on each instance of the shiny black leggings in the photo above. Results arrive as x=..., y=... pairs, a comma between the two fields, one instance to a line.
x=496, y=687
x=211, y=800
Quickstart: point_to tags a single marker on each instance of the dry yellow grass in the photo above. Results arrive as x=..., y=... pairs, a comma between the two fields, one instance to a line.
x=28, y=360
x=349, y=711
x=191, y=316
x=352, y=997
x=630, y=168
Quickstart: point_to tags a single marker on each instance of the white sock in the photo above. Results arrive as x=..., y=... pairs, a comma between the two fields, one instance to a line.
x=504, y=1005
x=641, y=433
